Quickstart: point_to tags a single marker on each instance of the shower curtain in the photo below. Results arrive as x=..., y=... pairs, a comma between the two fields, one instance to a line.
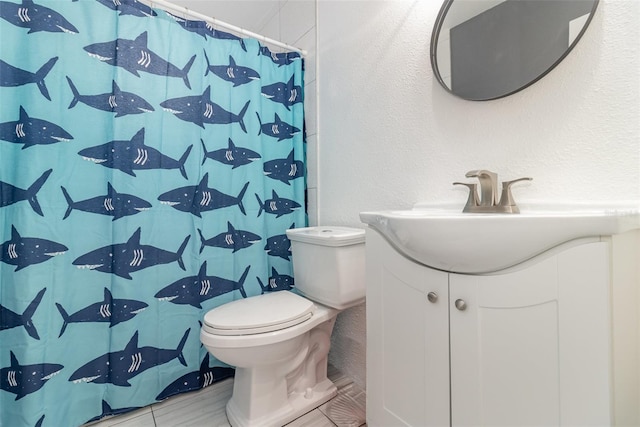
x=149, y=167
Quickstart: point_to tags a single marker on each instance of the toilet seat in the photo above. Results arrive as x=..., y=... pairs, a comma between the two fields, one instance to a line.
x=260, y=314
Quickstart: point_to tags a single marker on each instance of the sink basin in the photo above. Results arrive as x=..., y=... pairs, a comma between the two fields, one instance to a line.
x=445, y=239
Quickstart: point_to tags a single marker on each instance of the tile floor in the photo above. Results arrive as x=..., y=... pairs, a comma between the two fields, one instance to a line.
x=205, y=408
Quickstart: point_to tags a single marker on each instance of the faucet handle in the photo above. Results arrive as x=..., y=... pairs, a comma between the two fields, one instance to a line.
x=472, y=200
x=506, y=199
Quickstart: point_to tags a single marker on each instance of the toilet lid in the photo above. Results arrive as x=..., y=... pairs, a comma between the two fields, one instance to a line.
x=255, y=315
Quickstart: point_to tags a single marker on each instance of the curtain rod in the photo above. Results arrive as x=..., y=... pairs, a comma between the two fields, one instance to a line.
x=213, y=21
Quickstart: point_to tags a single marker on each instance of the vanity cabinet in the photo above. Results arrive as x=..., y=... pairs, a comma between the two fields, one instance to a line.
x=530, y=345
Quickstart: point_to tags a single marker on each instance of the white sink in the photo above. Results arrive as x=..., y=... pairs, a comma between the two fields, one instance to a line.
x=446, y=239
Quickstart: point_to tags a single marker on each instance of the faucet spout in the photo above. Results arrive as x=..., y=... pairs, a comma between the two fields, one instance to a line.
x=488, y=186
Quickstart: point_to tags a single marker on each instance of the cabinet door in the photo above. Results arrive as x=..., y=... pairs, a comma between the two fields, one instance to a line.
x=407, y=340
x=531, y=346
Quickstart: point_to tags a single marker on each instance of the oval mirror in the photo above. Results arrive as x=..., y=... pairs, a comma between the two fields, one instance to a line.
x=488, y=49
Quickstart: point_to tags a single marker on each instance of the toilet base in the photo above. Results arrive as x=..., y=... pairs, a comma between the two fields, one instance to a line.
x=298, y=405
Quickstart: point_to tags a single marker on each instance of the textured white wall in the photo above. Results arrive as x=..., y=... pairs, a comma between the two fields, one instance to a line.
x=391, y=136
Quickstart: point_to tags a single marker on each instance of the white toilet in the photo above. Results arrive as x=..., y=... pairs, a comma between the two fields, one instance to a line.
x=279, y=341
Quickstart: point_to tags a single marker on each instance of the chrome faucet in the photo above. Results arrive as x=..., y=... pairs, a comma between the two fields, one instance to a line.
x=488, y=201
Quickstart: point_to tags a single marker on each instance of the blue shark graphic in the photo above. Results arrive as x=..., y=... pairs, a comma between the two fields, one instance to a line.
x=234, y=156
x=40, y=421
x=194, y=380
x=277, y=282
x=279, y=245
x=119, y=102
x=284, y=170
x=194, y=290
x=277, y=205
x=30, y=131
x=117, y=205
x=22, y=380
x=134, y=56
x=280, y=58
x=107, y=410
x=122, y=259
x=204, y=29
x=119, y=367
x=200, y=198
x=232, y=239
x=10, y=194
x=278, y=129
x=201, y=110
x=25, y=251
x=11, y=76
x=232, y=73
x=10, y=319
x=35, y=17
x=110, y=310
x=132, y=155
x=128, y=7
x=287, y=94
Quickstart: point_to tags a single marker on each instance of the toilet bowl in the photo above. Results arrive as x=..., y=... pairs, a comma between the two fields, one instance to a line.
x=272, y=383
x=279, y=341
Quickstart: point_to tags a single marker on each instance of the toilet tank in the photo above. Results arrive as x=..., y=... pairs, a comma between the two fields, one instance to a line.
x=329, y=264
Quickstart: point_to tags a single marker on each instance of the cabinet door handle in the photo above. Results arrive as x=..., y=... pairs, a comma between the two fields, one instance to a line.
x=432, y=297
x=461, y=305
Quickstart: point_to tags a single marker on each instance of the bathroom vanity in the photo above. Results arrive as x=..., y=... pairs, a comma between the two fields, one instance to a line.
x=550, y=341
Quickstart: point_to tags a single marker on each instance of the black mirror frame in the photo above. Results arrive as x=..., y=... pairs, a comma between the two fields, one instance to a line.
x=434, y=42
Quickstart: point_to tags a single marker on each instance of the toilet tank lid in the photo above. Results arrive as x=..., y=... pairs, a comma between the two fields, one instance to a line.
x=327, y=235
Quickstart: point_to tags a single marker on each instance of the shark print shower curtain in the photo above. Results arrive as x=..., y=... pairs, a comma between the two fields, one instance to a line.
x=149, y=167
